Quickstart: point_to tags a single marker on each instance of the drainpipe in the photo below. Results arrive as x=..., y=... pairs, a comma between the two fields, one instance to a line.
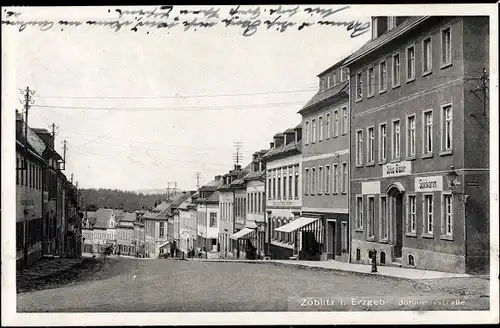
x=350, y=214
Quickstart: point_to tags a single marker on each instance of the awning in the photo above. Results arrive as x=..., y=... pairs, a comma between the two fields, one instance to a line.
x=242, y=233
x=296, y=224
x=165, y=244
x=251, y=225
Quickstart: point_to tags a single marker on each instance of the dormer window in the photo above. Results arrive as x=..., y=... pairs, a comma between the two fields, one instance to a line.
x=328, y=82
x=391, y=22
x=344, y=74
x=334, y=79
x=379, y=26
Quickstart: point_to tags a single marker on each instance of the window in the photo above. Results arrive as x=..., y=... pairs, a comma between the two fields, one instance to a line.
x=322, y=84
x=328, y=177
x=370, y=152
x=313, y=181
x=284, y=184
x=396, y=140
x=396, y=73
x=335, y=178
x=279, y=185
x=308, y=128
x=320, y=180
x=213, y=220
x=427, y=141
x=411, y=213
x=382, y=68
x=344, y=74
x=427, y=55
x=383, y=219
x=359, y=212
x=428, y=214
x=336, y=123
x=290, y=181
x=446, y=46
x=320, y=122
x=17, y=171
x=370, y=77
x=259, y=203
x=410, y=63
x=371, y=217
x=313, y=137
x=447, y=133
x=359, y=86
x=382, y=142
x=328, y=126
x=328, y=82
x=410, y=136
x=307, y=182
x=296, y=184
x=359, y=147
x=345, y=120
x=345, y=178
x=391, y=22
x=334, y=79
x=447, y=216
x=269, y=186
x=162, y=229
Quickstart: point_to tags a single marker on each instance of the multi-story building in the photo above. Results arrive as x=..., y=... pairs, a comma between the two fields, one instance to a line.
x=323, y=225
x=89, y=219
x=185, y=214
x=125, y=233
x=240, y=234
x=208, y=217
x=139, y=237
x=255, y=182
x=284, y=197
x=420, y=143
x=104, y=230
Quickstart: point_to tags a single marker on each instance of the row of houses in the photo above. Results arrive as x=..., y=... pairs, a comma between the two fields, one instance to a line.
x=392, y=155
x=48, y=216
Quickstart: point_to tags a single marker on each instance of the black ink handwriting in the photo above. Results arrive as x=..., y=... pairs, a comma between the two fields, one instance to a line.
x=255, y=12
x=284, y=25
x=207, y=13
x=358, y=27
x=280, y=11
x=146, y=13
x=249, y=26
x=324, y=12
x=116, y=25
x=43, y=25
x=195, y=23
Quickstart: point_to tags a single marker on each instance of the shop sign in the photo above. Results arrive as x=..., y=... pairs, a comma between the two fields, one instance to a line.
x=396, y=169
x=370, y=188
x=424, y=184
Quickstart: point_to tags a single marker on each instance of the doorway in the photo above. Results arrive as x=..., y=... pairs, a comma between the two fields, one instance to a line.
x=396, y=205
x=331, y=240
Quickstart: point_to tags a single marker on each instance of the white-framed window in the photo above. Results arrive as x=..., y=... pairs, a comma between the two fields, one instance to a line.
x=320, y=180
x=328, y=127
x=335, y=178
x=427, y=132
x=336, y=123
x=382, y=142
x=428, y=214
x=307, y=182
x=446, y=46
x=426, y=55
x=359, y=86
x=320, y=122
x=279, y=184
x=322, y=84
x=345, y=120
x=447, y=127
x=328, y=82
x=396, y=139
x=314, y=131
x=447, y=215
x=370, y=81
x=284, y=184
x=334, y=79
x=382, y=76
x=313, y=181
x=162, y=229
x=297, y=183
x=308, y=131
x=344, y=74
x=269, y=186
x=328, y=179
x=359, y=212
x=383, y=219
x=411, y=213
x=396, y=70
x=391, y=22
x=290, y=182
x=410, y=63
x=410, y=135
x=359, y=147
x=213, y=220
x=345, y=178
x=371, y=216
x=370, y=145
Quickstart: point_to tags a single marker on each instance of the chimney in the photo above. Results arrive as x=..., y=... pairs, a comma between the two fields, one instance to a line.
x=279, y=138
x=271, y=145
x=237, y=167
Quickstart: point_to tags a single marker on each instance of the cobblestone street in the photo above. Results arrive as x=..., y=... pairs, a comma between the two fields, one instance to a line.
x=172, y=286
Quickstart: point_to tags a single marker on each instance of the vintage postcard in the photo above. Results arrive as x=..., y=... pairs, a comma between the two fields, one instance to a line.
x=249, y=164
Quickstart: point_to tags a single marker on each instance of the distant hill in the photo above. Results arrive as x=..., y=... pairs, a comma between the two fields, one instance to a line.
x=120, y=199
x=155, y=191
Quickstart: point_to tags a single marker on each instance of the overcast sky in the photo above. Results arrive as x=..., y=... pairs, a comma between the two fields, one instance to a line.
x=133, y=147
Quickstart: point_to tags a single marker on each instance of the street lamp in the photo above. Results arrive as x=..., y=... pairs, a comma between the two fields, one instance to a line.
x=454, y=183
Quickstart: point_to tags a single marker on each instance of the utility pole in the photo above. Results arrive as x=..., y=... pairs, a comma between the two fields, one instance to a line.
x=53, y=126
x=197, y=177
x=237, y=156
x=65, y=147
x=71, y=178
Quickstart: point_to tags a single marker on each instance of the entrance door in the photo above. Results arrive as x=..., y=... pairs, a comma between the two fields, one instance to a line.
x=396, y=198
x=331, y=240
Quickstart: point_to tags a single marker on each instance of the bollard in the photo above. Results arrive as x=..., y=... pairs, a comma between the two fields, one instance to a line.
x=373, y=255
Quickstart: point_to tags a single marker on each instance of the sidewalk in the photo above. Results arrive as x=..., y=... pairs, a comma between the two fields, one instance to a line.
x=363, y=269
x=46, y=267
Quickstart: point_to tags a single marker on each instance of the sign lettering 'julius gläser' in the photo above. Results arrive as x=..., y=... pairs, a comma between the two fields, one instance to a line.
x=396, y=169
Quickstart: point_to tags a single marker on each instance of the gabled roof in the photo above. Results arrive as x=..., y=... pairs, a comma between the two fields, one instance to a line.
x=326, y=97
x=399, y=30
x=336, y=65
x=255, y=175
x=293, y=148
x=166, y=207
x=103, y=216
x=91, y=216
x=128, y=217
